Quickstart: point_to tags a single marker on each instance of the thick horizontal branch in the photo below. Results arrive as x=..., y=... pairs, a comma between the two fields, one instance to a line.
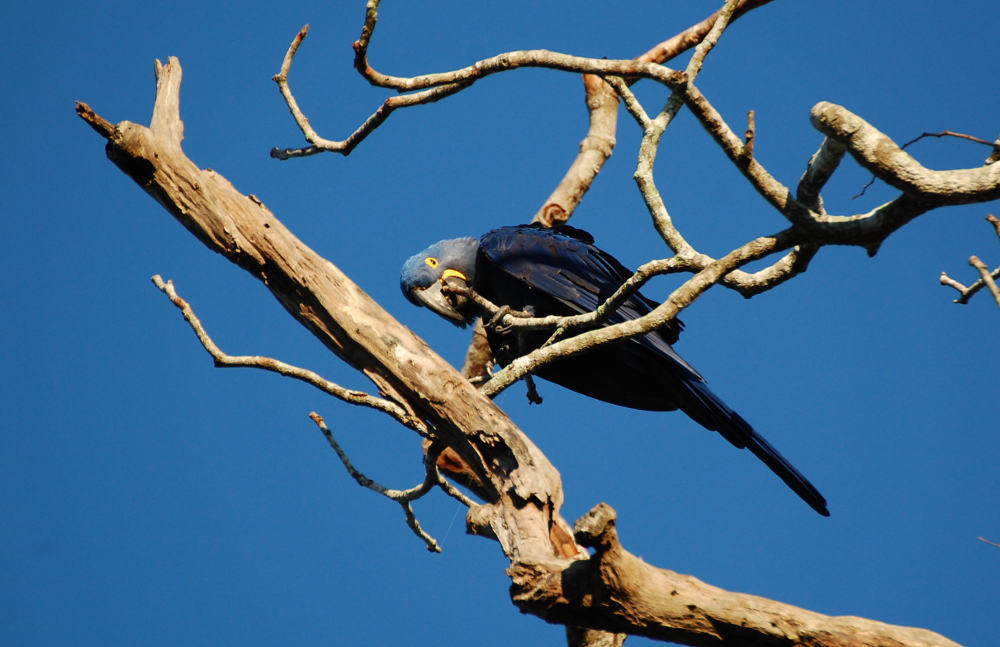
x=923, y=189
x=531, y=58
x=890, y=163
x=617, y=591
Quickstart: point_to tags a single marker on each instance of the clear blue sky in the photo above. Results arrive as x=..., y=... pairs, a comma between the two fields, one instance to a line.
x=152, y=499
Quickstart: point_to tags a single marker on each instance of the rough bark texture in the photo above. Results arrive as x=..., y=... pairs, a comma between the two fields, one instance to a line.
x=553, y=577
x=623, y=593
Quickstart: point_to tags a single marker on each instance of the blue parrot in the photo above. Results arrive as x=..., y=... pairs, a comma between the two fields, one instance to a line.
x=560, y=271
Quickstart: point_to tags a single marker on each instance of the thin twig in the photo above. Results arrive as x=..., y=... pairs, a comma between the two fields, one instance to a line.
x=943, y=133
x=223, y=360
x=453, y=491
x=632, y=104
x=987, y=541
x=685, y=40
x=403, y=497
x=993, y=220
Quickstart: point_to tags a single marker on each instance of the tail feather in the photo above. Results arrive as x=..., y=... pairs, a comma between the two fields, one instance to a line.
x=705, y=408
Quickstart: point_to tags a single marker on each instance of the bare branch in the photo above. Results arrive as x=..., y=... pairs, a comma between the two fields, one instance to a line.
x=948, y=133
x=623, y=592
x=888, y=162
x=776, y=193
x=321, y=145
x=722, y=17
x=748, y=137
x=595, y=149
x=223, y=360
x=602, y=106
x=652, y=131
x=523, y=490
x=403, y=497
x=632, y=103
x=433, y=87
x=945, y=133
x=787, y=267
x=505, y=317
x=819, y=170
x=685, y=40
x=986, y=278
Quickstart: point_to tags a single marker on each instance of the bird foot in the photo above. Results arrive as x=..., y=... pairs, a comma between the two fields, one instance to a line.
x=494, y=322
x=533, y=397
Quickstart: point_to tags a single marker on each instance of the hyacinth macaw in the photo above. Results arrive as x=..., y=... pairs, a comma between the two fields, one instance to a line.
x=559, y=271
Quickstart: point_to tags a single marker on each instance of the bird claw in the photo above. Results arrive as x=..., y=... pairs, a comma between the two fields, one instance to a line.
x=494, y=322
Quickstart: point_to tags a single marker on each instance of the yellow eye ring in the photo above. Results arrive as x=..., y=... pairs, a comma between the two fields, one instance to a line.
x=431, y=261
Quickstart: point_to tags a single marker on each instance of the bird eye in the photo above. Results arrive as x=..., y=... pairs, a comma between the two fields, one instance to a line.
x=431, y=261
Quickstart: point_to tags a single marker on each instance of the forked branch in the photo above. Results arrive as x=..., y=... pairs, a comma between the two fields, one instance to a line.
x=522, y=490
x=987, y=278
x=404, y=498
x=224, y=360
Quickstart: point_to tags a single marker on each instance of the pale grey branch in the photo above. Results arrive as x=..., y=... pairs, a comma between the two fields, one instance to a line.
x=818, y=172
x=403, y=497
x=224, y=360
x=887, y=161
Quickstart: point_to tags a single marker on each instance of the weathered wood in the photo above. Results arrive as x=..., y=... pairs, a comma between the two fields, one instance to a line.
x=617, y=591
x=553, y=576
x=341, y=315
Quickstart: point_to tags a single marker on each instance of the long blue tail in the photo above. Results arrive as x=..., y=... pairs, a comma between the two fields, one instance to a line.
x=709, y=411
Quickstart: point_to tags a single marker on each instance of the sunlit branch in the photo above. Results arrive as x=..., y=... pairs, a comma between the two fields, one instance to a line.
x=987, y=278
x=819, y=170
x=223, y=360
x=322, y=145
x=404, y=498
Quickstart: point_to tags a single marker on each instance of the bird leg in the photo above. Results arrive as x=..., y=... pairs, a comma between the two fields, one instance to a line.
x=494, y=321
x=533, y=397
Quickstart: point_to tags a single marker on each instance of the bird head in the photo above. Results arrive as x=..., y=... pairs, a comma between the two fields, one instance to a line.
x=448, y=261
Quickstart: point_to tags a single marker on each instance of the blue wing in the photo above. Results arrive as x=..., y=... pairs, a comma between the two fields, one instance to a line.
x=564, y=264
x=560, y=272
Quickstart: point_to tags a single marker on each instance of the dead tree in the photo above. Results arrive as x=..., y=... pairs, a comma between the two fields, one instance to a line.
x=609, y=593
